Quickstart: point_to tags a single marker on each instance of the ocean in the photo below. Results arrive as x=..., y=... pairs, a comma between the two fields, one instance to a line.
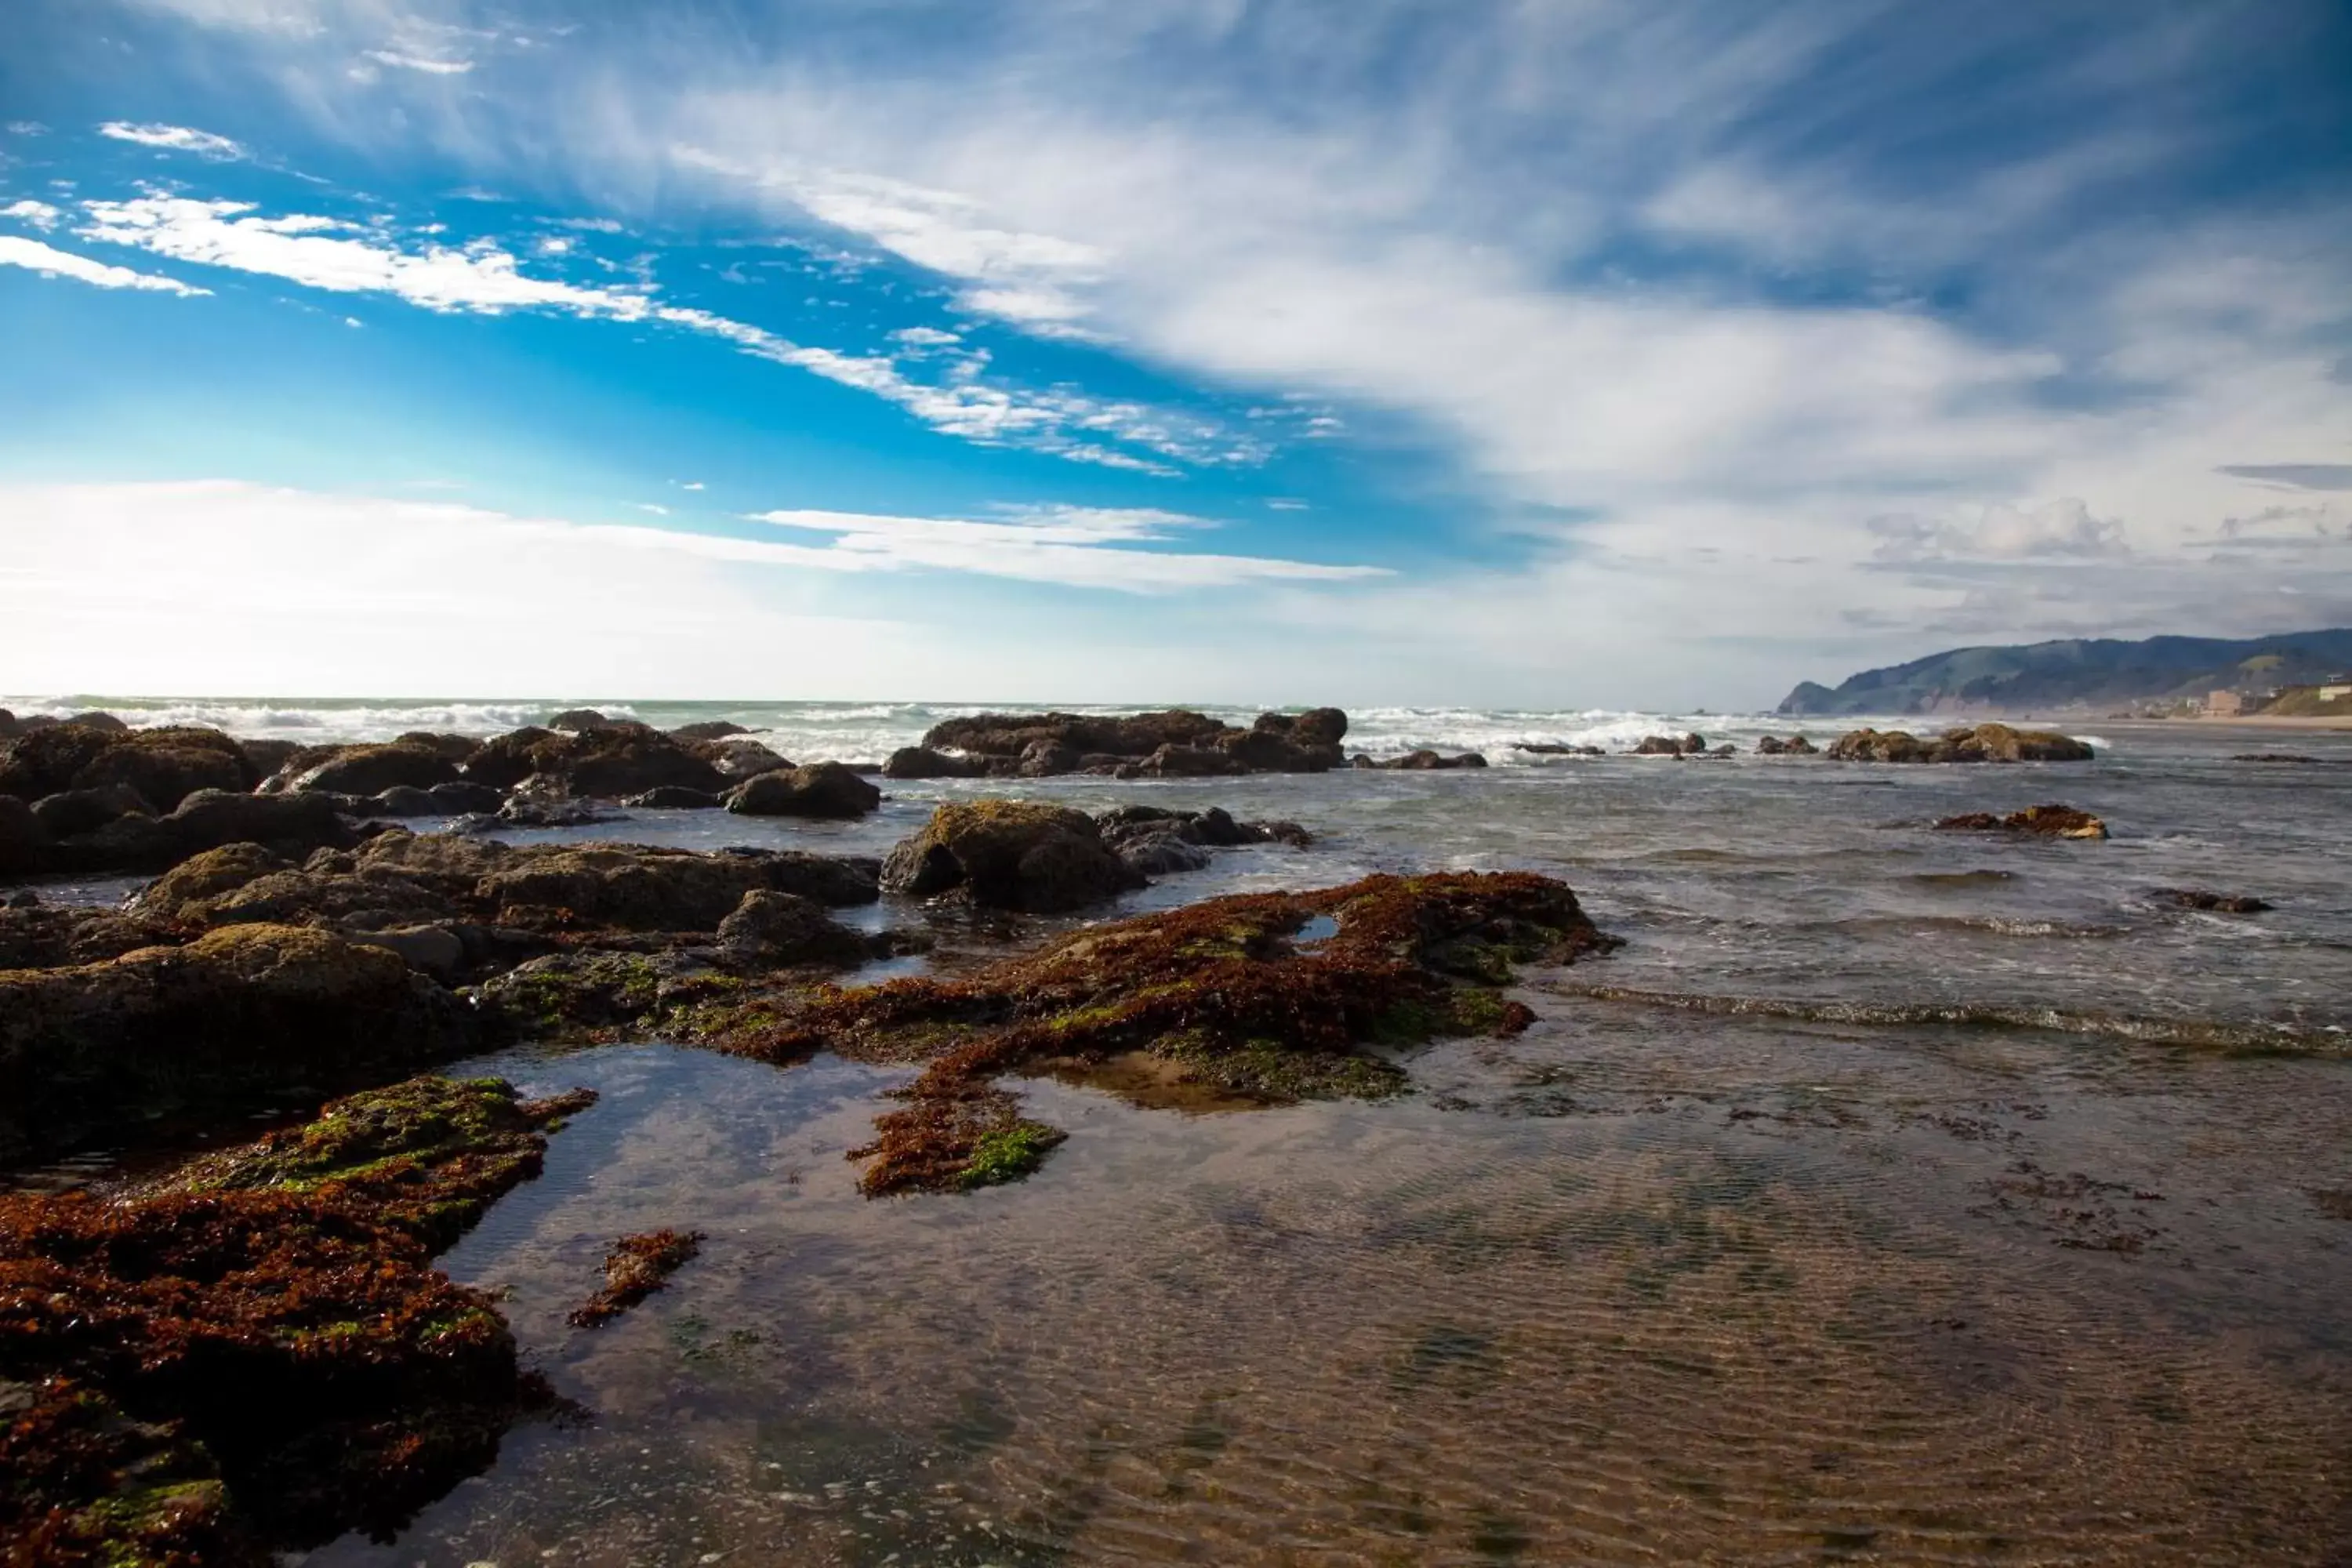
x=1892, y=1195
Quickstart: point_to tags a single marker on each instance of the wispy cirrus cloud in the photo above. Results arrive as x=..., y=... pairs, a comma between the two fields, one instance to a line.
x=483, y=278
x=49, y=260
x=1079, y=547
x=428, y=65
x=175, y=139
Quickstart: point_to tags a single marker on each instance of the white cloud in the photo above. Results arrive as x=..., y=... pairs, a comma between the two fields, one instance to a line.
x=691, y=485
x=202, y=586
x=649, y=505
x=40, y=214
x=2061, y=529
x=926, y=337
x=1074, y=546
x=481, y=277
x=52, y=262
x=174, y=138
x=419, y=63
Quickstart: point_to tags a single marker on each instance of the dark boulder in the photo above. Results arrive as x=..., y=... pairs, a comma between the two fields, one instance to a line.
x=505, y=760
x=709, y=730
x=24, y=842
x=74, y=812
x=463, y=796
x=770, y=929
x=1658, y=746
x=53, y=936
x=234, y=1016
x=266, y=757
x=675, y=797
x=457, y=748
x=46, y=761
x=2217, y=903
x=372, y=770
x=403, y=800
x=544, y=800
x=820, y=790
x=1014, y=854
x=577, y=719
x=922, y=763
x=1316, y=727
x=1422, y=761
x=739, y=759
x=1173, y=761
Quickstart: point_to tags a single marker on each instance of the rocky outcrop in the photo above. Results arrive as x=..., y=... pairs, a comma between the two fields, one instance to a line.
x=293, y=824
x=577, y=719
x=1984, y=743
x=2051, y=821
x=675, y=797
x=372, y=770
x=223, y=1023
x=43, y=936
x=611, y=760
x=1794, y=746
x=163, y=765
x=770, y=929
x=820, y=790
x=1176, y=744
x=709, y=730
x=1155, y=841
x=1242, y=996
x=1010, y=854
x=1689, y=745
x=923, y=763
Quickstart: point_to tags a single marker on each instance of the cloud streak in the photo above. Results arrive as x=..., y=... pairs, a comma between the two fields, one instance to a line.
x=175, y=139
x=50, y=261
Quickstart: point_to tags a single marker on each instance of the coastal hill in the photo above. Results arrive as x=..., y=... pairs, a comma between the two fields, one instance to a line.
x=2079, y=673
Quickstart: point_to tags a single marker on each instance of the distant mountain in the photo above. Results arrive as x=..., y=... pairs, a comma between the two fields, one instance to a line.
x=2078, y=674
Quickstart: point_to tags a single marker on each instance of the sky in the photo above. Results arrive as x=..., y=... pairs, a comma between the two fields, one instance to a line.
x=1549, y=354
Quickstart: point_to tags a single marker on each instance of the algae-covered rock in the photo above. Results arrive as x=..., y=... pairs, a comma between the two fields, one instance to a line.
x=1984, y=743
x=223, y=1023
x=1010, y=854
x=2050, y=821
x=820, y=790
x=1270, y=995
x=254, y=1356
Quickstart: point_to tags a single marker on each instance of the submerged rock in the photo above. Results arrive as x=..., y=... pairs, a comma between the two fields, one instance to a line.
x=637, y=1267
x=219, y=1025
x=2218, y=903
x=1233, y=992
x=2051, y=821
x=1423, y=761
x=1984, y=743
x=1175, y=743
x=675, y=797
x=257, y=1357
x=1010, y=854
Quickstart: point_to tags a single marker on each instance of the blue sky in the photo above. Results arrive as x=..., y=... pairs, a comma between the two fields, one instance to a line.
x=1537, y=354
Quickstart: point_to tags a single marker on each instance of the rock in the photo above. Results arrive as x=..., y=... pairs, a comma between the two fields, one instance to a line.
x=99, y=720
x=820, y=790
x=167, y=765
x=770, y=929
x=739, y=759
x=1794, y=746
x=45, y=936
x=77, y=811
x=266, y=757
x=1984, y=743
x=2220, y=904
x=505, y=760
x=543, y=800
x=1134, y=830
x=1316, y=727
x=641, y=887
x=1174, y=762
x=576, y=719
x=1558, y=748
x=675, y=797
x=463, y=796
x=922, y=763
x=611, y=763
x=2051, y=821
x=455, y=748
x=186, y=891
x=253, y=1355
x=709, y=730
x=44, y=761
x=1177, y=743
x=403, y=800
x=292, y=823
x=1422, y=761
x=436, y=951
x=1162, y=855
x=1231, y=995
x=1658, y=746
x=1013, y=855
x=219, y=1024
x=372, y=770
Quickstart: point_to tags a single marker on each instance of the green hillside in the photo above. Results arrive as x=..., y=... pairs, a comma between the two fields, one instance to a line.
x=2081, y=673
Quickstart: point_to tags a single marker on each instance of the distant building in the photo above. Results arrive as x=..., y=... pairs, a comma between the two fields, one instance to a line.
x=2224, y=705
x=2334, y=693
